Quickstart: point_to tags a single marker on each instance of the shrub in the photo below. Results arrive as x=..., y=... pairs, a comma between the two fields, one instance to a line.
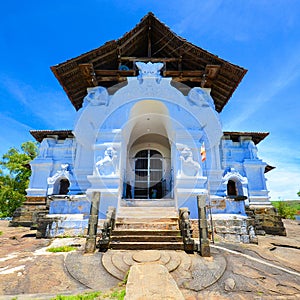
x=286, y=211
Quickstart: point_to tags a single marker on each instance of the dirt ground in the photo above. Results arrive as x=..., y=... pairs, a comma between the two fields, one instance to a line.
x=27, y=269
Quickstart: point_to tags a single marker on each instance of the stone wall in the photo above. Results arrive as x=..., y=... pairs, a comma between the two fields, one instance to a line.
x=266, y=220
x=231, y=230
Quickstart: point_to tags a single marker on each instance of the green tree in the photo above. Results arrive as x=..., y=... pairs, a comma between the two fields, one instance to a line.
x=298, y=194
x=286, y=211
x=14, y=177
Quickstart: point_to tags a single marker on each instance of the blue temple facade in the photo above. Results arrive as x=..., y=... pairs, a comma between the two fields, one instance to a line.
x=150, y=138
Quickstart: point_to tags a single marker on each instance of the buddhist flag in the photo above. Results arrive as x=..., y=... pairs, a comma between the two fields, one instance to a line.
x=203, y=152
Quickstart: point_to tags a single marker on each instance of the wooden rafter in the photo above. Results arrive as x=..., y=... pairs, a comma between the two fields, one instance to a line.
x=152, y=41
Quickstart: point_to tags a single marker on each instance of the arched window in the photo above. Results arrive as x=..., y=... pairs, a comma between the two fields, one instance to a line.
x=64, y=187
x=232, y=188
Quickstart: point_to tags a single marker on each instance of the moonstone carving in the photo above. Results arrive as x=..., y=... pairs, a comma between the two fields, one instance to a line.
x=149, y=70
x=189, y=167
x=108, y=164
x=96, y=96
x=199, y=97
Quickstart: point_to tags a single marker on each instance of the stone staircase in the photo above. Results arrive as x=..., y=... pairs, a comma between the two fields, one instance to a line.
x=146, y=228
x=28, y=213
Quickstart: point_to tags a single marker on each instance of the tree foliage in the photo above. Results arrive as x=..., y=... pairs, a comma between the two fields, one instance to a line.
x=14, y=177
x=286, y=209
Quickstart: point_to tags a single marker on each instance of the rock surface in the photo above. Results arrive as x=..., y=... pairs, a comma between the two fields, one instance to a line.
x=269, y=270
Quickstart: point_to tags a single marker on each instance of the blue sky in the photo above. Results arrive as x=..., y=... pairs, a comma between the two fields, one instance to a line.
x=262, y=36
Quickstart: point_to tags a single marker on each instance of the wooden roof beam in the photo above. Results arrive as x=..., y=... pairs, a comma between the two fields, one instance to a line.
x=149, y=38
x=111, y=78
x=88, y=72
x=115, y=72
x=184, y=73
x=100, y=58
x=130, y=39
x=152, y=59
x=221, y=89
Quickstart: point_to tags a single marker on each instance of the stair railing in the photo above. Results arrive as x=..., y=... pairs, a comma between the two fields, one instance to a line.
x=186, y=229
x=108, y=226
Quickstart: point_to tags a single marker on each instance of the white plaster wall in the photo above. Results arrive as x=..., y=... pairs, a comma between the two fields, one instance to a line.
x=176, y=118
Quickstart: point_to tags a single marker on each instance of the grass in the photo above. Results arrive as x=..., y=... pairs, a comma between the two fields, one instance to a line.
x=124, y=282
x=85, y=296
x=61, y=249
x=116, y=294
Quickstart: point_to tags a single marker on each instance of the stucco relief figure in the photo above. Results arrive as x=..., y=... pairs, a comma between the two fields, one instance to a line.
x=199, y=97
x=96, y=96
x=108, y=165
x=189, y=167
x=149, y=70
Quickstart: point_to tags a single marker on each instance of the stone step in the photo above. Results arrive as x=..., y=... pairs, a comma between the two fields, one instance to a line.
x=165, y=202
x=145, y=238
x=147, y=212
x=146, y=246
x=154, y=208
x=145, y=225
x=146, y=232
x=111, y=267
x=146, y=220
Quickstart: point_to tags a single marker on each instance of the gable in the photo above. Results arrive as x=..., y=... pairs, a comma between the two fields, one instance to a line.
x=150, y=40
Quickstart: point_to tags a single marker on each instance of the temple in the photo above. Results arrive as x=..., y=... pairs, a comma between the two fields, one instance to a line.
x=148, y=137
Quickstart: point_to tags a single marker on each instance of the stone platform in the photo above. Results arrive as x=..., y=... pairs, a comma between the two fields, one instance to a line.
x=186, y=269
x=269, y=270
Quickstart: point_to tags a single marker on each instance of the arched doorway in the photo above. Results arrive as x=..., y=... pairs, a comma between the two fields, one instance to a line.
x=148, y=168
x=231, y=188
x=149, y=182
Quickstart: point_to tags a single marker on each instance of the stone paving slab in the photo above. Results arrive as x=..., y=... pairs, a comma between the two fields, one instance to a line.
x=149, y=281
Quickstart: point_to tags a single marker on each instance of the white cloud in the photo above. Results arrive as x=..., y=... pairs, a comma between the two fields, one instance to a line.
x=50, y=107
x=275, y=82
x=283, y=183
x=13, y=133
x=197, y=15
x=16, y=89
